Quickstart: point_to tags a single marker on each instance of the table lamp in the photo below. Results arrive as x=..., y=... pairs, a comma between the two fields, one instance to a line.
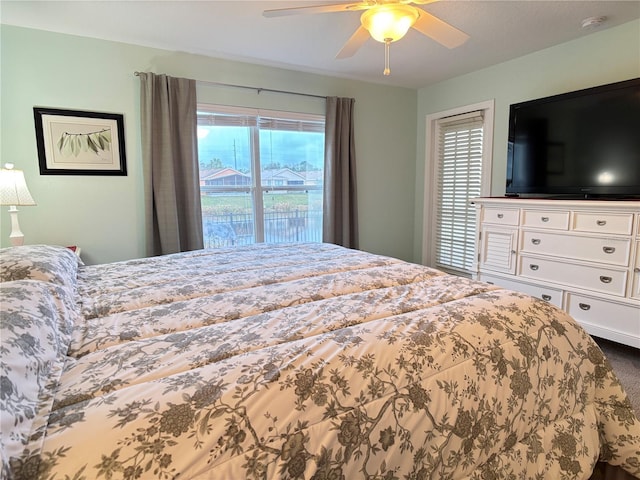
x=13, y=192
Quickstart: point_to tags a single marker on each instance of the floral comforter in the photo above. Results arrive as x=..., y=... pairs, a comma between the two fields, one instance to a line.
x=294, y=361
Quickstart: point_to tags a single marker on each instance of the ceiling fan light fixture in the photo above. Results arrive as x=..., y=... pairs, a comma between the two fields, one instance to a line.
x=389, y=22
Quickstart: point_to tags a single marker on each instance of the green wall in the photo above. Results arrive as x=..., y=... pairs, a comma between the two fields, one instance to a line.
x=105, y=215
x=599, y=58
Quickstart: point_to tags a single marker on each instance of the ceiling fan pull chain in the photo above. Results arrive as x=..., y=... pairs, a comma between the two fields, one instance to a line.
x=387, y=70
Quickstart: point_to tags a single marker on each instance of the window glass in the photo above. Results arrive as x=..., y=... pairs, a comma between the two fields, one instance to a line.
x=261, y=176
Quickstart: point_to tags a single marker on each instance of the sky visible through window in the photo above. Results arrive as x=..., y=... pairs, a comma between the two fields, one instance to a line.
x=231, y=146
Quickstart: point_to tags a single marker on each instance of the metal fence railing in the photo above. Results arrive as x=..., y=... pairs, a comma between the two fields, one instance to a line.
x=238, y=229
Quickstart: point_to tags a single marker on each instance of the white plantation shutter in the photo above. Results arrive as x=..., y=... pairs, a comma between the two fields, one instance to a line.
x=459, y=179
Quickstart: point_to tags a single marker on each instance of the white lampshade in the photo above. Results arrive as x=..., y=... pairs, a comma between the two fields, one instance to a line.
x=389, y=22
x=13, y=187
x=13, y=192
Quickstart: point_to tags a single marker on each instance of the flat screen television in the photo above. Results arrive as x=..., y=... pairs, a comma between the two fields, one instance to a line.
x=583, y=144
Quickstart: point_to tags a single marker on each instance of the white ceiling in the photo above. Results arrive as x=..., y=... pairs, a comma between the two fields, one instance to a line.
x=237, y=30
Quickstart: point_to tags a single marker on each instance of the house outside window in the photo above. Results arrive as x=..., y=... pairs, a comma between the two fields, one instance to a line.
x=261, y=175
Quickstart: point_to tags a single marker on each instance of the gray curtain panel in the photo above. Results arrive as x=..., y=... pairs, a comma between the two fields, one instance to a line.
x=170, y=161
x=340, y=220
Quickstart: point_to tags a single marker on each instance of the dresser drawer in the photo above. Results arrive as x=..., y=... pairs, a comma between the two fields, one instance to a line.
x=551, y=295
x=613, y=251
x=597, y=278
x=611, y=223
x=596, y=314
x=501, y=216
x=543, y=219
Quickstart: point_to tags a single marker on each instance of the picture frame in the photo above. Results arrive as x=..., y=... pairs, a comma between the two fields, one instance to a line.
x=73, y=142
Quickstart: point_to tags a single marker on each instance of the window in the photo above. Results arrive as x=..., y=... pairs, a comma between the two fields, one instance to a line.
x=261, y=175
x=460, y=153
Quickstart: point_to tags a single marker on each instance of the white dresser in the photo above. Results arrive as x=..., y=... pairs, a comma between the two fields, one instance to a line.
x=583, y=256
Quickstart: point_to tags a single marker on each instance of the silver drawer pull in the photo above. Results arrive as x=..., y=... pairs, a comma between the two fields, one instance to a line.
x=601, y=223
x=535, y=267
x=544, y=219
x=636, y=270
x=604, y=279
x=546, y=297
x=608, y=249
x=500, y=215
x=584, y=306
x=535, y=241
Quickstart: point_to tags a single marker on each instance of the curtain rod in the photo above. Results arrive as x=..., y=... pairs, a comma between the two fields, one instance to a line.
x=257, y=89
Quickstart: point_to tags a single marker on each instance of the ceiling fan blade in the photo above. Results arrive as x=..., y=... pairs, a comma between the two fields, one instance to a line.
x=439, y=30
x=338, y=7
x=354, y=43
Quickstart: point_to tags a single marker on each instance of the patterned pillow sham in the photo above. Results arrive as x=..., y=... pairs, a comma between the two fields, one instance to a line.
x=35, y=322
x=49, y=263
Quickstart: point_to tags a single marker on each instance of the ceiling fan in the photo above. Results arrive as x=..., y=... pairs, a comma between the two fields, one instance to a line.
x=385, y=21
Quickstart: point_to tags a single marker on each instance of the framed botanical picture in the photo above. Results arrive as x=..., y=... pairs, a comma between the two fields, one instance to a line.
x=72, y=142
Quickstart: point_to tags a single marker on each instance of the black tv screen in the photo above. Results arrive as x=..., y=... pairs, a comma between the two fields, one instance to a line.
x=583, y=144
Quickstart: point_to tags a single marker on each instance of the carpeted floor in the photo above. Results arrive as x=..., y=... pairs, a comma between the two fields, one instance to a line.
x=625, y=361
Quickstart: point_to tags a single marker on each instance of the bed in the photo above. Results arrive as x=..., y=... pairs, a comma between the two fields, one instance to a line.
x=295, y=361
